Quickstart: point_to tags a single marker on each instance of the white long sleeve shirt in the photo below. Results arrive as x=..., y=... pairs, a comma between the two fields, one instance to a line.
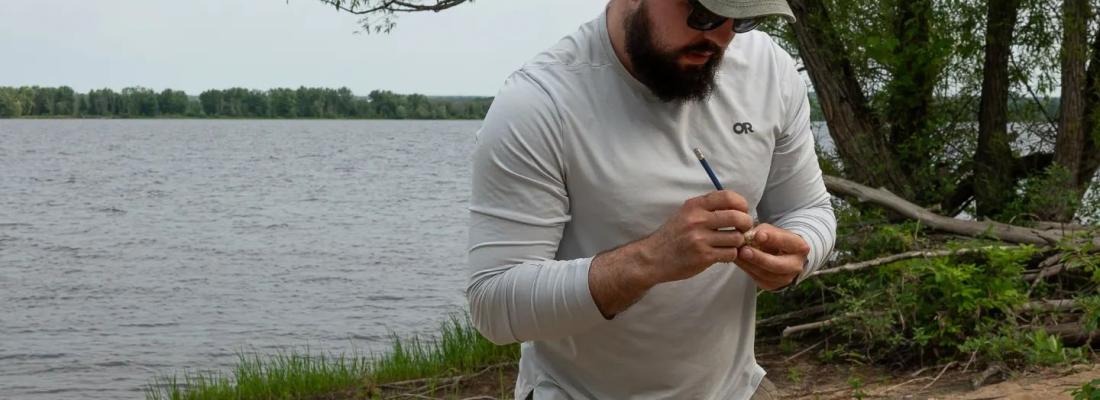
x=576, y=157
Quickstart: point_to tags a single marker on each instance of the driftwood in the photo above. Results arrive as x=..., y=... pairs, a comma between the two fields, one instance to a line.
x=981, y=379
x=790, y=330
x=782, y=318
x=1000, y=231
x=1050, y=306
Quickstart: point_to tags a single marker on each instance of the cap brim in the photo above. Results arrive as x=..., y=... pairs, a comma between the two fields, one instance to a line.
x=749, y=8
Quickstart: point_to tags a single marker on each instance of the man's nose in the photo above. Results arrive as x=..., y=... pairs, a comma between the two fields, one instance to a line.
x=721, y=35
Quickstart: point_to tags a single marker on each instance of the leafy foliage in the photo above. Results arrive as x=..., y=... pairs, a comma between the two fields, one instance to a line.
x=1088, y=391
x=932, y=310
x=925, y=308
x=1035, y=195
x=919, y=66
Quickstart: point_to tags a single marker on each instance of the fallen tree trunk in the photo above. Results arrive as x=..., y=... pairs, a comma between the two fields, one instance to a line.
x=1060, y=226
x=890, y=201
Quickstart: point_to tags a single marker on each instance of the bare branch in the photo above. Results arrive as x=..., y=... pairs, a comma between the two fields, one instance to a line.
x=403, y=384
x=384, y=10
x=804, y=351
x=945, y=367
x=364, y=7
x=790, y=330
x=1044, y=273
x=903, y=256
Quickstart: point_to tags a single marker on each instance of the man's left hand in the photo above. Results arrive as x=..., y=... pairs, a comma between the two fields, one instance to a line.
x=774, y=258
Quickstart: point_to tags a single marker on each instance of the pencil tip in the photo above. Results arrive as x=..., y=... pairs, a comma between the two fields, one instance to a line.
x=698, y=153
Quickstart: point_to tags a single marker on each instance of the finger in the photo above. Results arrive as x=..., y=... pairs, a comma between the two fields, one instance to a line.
x=725, y=200
x=730, y=218
x=765, y=280
x=778, y=264
x=757, y=272
x=725, y=254
x=725, y=239
x=779, y=241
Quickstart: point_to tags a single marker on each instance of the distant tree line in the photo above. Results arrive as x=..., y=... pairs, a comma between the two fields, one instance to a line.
x=140, y=102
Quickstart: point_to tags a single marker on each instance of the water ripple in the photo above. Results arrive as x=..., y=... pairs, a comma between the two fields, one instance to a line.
x=135, y=248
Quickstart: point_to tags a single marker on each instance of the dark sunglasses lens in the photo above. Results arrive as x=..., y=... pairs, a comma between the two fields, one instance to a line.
x=704, y=20
x=745, y=25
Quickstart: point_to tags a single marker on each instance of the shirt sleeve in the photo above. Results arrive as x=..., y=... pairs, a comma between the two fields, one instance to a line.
x=519, y=206
x=795, y=198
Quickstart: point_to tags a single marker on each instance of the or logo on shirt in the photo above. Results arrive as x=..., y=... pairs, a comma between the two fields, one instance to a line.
x=742, y=128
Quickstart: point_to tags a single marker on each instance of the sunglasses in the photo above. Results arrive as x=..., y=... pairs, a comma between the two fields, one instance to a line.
x=702, y=19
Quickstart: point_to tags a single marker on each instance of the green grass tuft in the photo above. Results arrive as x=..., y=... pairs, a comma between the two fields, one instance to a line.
x=458, y=349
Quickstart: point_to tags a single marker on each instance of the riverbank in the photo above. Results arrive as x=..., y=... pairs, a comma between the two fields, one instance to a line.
x=461, y=365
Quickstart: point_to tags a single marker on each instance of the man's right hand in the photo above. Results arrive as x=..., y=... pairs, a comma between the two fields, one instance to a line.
x=690, y=241
x=687, y=243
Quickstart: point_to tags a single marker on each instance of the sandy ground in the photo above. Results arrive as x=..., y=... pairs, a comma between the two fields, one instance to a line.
x=804, y=378
x=808, y=379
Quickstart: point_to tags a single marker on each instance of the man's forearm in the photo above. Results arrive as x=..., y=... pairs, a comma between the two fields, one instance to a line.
x=617, y=279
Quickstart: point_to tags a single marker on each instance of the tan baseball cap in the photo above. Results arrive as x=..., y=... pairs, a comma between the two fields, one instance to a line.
x=749, y=8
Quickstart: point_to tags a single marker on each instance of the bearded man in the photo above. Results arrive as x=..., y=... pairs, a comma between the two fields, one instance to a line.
x=598, y=241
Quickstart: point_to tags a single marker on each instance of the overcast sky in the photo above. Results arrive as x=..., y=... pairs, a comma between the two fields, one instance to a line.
x=195, y=45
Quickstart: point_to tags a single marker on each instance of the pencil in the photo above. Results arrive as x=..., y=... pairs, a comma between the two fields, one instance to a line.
x=706, y=166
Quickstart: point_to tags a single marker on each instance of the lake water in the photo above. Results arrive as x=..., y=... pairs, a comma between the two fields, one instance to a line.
x=130, y=249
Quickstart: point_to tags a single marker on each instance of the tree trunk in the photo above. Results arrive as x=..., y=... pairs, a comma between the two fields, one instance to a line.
x=1090, y=156
x=915, y=74
x=855, y=130
x=1070, y=145
x=914, y=78
x=993, y=185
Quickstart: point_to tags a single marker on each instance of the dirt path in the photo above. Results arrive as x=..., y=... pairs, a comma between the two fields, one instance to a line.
x=1046, y=386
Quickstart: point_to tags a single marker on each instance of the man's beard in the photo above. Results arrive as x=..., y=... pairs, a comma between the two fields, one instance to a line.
x=660, y=70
